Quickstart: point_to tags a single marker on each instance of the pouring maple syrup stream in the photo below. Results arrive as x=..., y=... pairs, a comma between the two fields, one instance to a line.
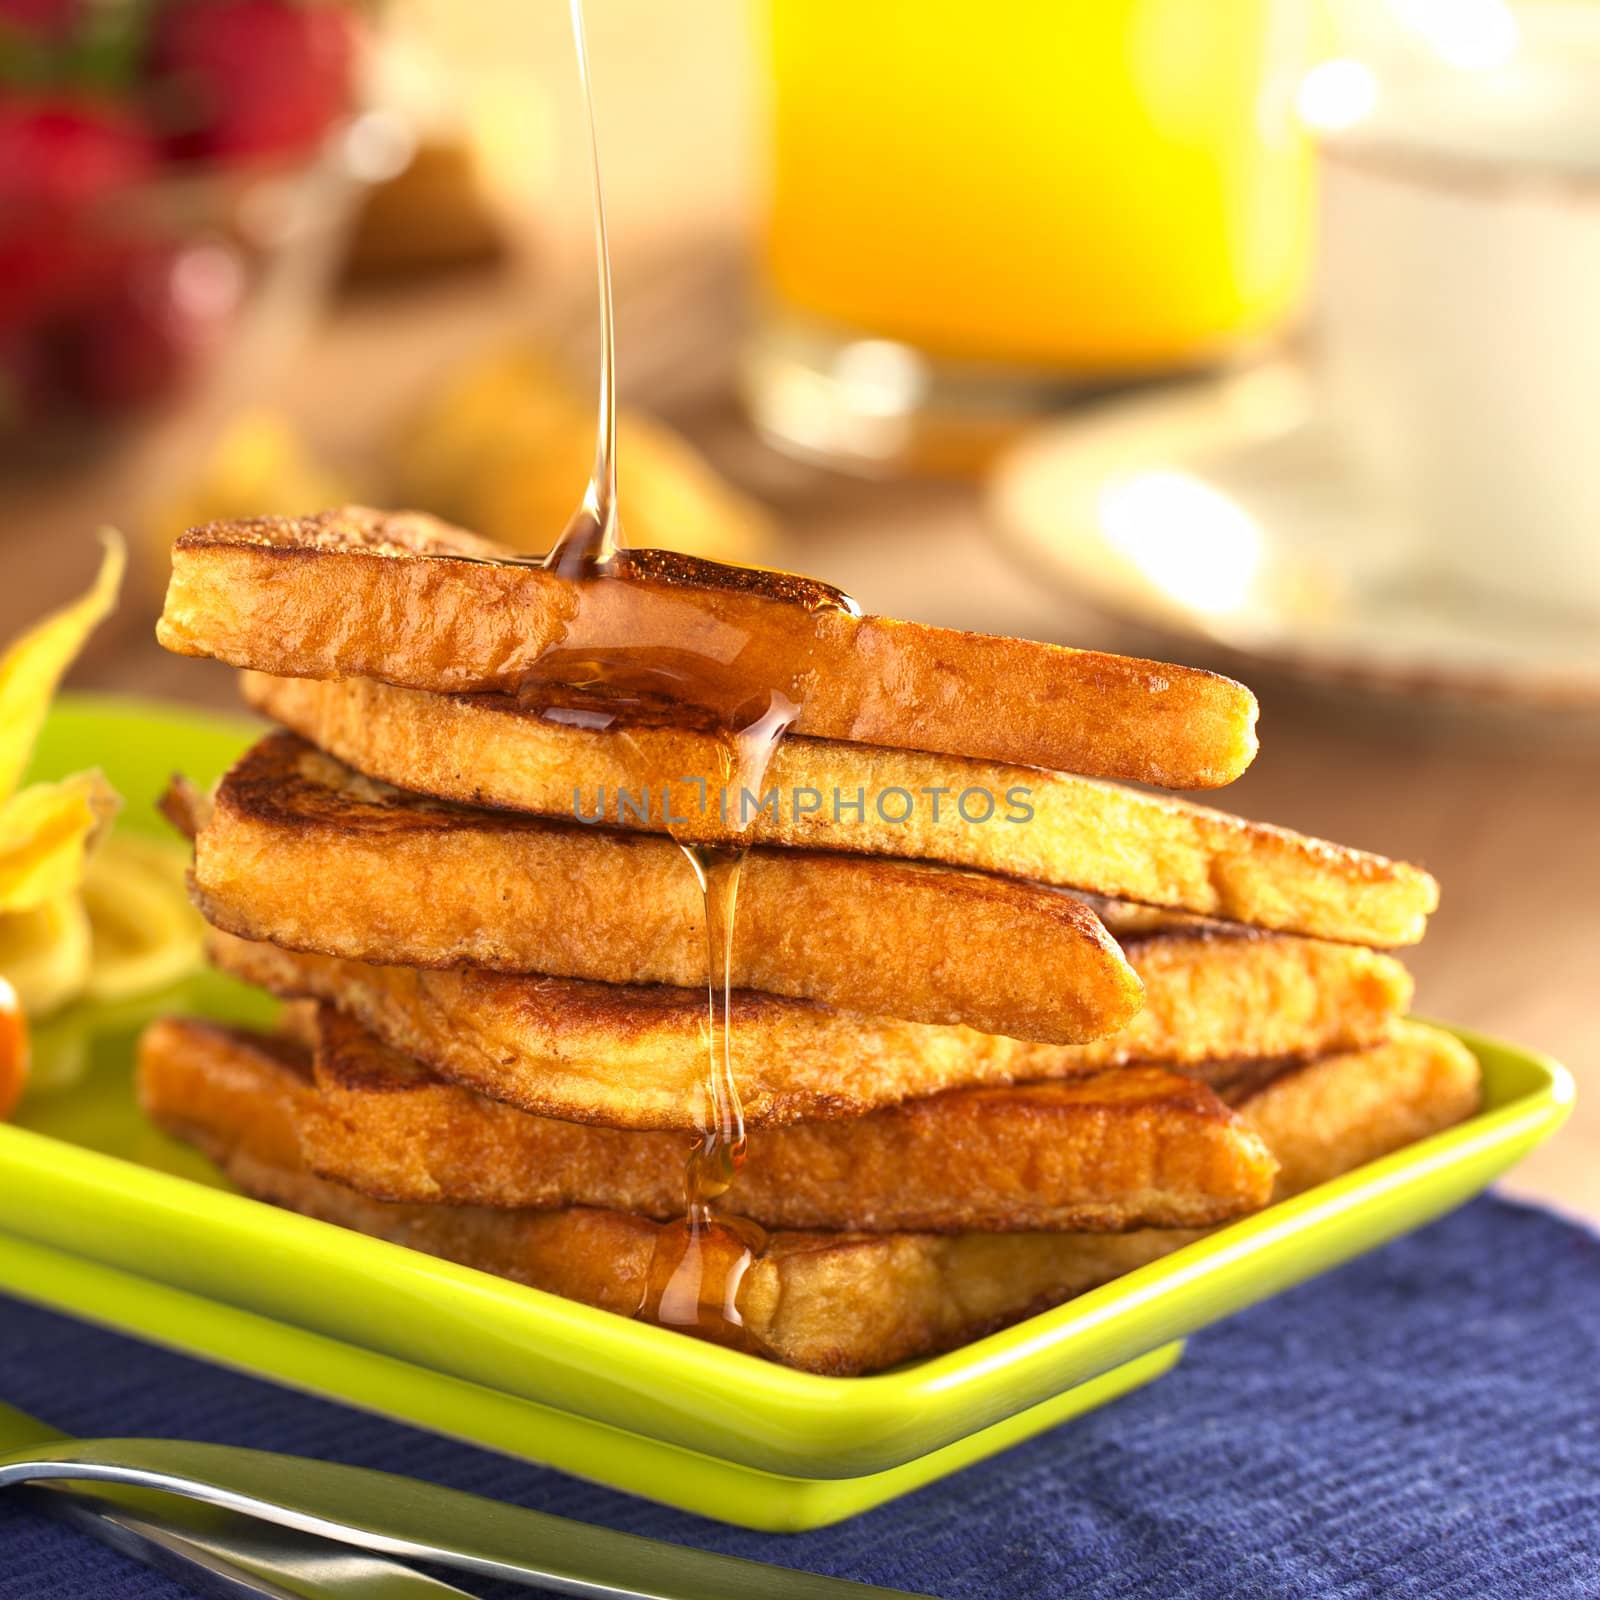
x=591, y=540
x=671, y=678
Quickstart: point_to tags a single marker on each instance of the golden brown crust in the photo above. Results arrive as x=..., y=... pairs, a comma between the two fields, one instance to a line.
x=1221, y=994
x=833, y=1303
x=634, y=1056
x=1325, y=1118
x=301, y=851
x=631, y=1056
x=995, y=1156
x=824, y=1302
x=210, y=1076
x=1129, y=1148
x=1081, y=834
x=323, y=597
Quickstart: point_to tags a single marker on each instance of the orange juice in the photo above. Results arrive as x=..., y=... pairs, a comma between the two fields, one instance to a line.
x=1098, y=186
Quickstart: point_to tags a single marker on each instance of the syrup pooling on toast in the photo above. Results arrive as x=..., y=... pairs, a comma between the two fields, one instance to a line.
x=639, y=650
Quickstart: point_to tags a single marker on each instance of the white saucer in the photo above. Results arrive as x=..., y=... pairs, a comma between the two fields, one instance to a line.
x=1226, y=511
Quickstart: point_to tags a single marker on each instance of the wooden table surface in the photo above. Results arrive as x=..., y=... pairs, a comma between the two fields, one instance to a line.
x=1511, y=826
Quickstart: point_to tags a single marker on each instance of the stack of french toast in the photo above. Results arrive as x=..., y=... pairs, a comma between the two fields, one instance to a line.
x=1005, y=1023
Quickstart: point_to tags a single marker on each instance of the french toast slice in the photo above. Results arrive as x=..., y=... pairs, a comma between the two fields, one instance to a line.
x=1130, y=1147
x=299, y=850
x=840, y=1303
x=634, y=1056
x=1337, y=1113
x=631, y=1056
x=320, y=597
x=1051, y=828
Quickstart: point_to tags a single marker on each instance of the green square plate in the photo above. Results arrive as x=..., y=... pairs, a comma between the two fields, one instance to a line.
x=103, y=1216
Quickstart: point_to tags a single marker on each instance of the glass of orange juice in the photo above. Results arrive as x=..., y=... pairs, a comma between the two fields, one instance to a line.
x=976, y=210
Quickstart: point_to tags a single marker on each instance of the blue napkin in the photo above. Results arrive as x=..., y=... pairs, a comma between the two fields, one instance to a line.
x=1425, y=1421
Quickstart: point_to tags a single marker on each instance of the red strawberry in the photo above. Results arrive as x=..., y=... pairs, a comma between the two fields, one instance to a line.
x=62, y=153
x=52, y=19
x=248, y=78
x=159, y=308
x=31, y=273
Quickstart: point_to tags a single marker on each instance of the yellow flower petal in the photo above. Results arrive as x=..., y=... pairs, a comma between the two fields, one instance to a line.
x=145, y=934
x=32, y=667
x=45, y=833
x=45, y=954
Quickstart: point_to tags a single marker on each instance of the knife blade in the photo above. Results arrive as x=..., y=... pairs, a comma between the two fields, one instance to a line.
x=397, y=1516
x=224, y=1556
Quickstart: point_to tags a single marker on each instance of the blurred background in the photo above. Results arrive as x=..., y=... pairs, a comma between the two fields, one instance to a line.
x=1260, y=334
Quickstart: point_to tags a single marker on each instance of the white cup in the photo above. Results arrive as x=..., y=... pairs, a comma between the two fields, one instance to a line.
x=1458, y=343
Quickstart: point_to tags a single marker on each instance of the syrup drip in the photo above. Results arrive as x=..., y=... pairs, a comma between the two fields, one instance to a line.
x=677, y=665
x=13, y=1049
x=700, y=1260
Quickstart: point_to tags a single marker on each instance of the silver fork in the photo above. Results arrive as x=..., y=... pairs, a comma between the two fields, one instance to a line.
x=216, y=1553
x=223, y=1556
x=395, y=1516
